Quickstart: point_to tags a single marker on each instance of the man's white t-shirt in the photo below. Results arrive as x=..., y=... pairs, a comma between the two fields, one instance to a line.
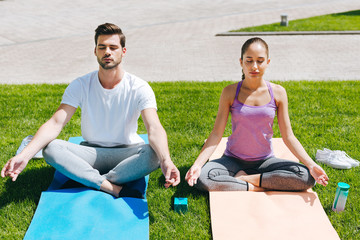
x=109, y=116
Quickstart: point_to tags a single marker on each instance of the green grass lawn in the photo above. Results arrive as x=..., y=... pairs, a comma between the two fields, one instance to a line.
x=346, y=21
x=323, y=114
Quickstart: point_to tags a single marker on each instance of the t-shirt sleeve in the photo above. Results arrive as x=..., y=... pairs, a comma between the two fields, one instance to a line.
x=72, y=94
x=146, y=97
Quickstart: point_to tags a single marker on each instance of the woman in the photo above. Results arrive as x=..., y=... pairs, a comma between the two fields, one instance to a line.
x=248, y=163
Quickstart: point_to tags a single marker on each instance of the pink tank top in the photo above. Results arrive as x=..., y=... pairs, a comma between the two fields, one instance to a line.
x=251, y=129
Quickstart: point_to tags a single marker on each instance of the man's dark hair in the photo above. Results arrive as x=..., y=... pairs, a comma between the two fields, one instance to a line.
x=109, y=29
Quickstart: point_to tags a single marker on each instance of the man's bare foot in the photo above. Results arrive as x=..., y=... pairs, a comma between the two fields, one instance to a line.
x=110, y=188
x=120, y=190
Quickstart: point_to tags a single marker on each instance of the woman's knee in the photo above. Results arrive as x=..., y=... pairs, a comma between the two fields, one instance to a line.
x=307, y=181
x=204, y=182
x=310, y=181
x=306, y=177
x=209, y=172
x=302, y=173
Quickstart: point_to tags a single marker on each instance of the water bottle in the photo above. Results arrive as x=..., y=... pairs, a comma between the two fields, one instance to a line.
x=340, y=197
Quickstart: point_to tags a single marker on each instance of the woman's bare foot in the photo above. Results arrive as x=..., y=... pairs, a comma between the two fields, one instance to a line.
x=239, y=175
x=252, y=180
x=253, y=188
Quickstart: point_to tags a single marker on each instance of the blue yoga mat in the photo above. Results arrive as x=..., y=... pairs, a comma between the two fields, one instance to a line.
x=84, y=213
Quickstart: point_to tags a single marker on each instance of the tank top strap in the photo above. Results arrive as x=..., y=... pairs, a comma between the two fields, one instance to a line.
x=238, y=89
x=270, y=90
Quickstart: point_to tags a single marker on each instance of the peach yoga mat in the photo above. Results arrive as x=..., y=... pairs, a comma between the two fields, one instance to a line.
x=268, y=215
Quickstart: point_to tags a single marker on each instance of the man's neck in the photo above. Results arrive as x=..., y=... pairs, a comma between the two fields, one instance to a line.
x=109, y=78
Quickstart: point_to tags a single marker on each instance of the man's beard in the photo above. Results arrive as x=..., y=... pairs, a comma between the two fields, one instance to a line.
x=107, y=66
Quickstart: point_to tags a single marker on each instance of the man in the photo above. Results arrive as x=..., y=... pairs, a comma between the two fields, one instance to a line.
x=111, y=101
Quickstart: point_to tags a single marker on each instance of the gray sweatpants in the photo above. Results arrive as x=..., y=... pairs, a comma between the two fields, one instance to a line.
x=275, y=174
x=91, y=165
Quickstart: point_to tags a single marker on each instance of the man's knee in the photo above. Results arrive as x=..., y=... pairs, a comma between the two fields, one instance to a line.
x=148, y=152
x=52, y=149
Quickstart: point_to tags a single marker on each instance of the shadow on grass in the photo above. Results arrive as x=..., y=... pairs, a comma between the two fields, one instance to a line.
x=183, y=190
x=328, y=209
x=28, y=185
x=351, y=13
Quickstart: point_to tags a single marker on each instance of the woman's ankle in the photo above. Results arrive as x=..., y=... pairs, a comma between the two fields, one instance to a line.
x=253, y=188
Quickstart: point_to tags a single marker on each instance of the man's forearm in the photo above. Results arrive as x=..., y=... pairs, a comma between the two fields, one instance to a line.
x=158, y=141
x=46, y=133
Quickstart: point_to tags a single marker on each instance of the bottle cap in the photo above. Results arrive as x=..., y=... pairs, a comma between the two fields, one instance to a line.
x=343, y=186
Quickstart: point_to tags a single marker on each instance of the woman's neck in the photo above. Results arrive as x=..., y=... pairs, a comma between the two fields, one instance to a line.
x=253, y=84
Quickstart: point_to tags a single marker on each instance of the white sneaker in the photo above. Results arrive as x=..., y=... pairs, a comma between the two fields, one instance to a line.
x=332, y=158
x=346, y=158
x=24, y=143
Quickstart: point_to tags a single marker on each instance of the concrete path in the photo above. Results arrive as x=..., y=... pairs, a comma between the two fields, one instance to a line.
x=168, y=40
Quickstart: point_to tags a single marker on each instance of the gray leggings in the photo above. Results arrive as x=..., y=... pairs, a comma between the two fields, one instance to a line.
x=275, y=174
x=91, y=165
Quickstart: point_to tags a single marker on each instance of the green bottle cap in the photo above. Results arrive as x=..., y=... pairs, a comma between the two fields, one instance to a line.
x=343, y=186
